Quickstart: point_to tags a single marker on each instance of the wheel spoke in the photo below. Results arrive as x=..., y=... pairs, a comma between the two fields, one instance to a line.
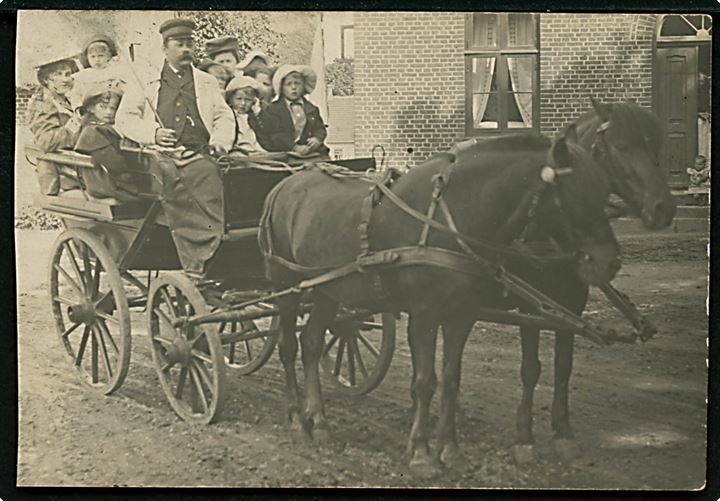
x=330, y=344
x=203, y=371
x=87, y=269
x=366, y=326
x=96, y=278
x=338, y=360
x=78, y=290
x=359, y=358
x=73, y=259
x=71, y=329
x=182, y=303
x=202, y=356
x=163, y=340
x=168, y=300
x=368, y=345
x=83, y=344
x=64, y=300
x=181, y=382
x=351, y=362
x=248, y=350
x=107, y=334
x=103, y=350
x=199, y=389
x=107, y=317
x=94, y=359
x=163, y=317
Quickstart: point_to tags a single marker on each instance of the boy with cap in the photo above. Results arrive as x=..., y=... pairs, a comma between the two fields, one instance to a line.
x=52, y=122
x=99, y=60
x=184, y=109
x=291, y=122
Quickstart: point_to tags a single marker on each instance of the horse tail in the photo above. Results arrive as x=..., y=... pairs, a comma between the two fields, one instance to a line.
x=265, y=241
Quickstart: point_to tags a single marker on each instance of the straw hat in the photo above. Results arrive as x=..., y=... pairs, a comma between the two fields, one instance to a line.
x=46, y=67
x=307, y=73
x=253, y=60
x=241, y=82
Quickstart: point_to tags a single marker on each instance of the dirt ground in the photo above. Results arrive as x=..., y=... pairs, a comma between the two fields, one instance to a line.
x=639, y=411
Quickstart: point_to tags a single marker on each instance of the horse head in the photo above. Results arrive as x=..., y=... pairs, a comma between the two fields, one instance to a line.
x=571, y=209
x=626, y=140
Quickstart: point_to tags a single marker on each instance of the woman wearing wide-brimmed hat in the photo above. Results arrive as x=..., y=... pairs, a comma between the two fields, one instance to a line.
x=291, y=122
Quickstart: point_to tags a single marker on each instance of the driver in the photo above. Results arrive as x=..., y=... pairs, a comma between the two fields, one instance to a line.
x=182, y=114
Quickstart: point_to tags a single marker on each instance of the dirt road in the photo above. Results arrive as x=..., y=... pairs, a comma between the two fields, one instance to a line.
x=638, y=411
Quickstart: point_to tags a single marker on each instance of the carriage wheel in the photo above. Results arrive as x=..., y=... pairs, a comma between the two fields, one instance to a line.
x=357, y=354
x=90, y=309
x=188, y=359
x=249, y=344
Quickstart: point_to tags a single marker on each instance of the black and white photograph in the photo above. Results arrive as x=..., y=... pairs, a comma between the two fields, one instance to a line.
x=398, y=249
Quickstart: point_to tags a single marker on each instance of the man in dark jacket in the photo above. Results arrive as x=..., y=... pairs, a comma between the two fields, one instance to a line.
x=291, y=122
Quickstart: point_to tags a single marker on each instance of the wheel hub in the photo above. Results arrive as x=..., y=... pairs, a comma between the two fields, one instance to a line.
x=82, y=313
x=179, y=351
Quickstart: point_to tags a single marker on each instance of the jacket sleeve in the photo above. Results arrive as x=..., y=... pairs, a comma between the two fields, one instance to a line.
x=133, y=120
x=272, y=137
x=223, y=129
x=318, y=130
x=49, y=132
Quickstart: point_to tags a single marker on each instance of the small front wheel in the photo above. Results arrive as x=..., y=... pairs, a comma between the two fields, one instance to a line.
x=188, y=358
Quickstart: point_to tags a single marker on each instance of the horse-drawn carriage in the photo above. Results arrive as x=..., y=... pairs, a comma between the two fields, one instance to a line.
x=115, y=257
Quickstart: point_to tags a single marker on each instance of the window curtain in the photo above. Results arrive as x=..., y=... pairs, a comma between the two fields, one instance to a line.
x=482, y=74
x=483, y=68
x=521, y=33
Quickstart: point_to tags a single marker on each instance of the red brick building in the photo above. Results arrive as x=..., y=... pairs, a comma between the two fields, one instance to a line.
x=425, y=80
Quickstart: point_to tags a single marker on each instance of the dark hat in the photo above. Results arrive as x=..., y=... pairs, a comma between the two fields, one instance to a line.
x=94, y=39
x=48, y=67
x=177, y=28
x=222, y=44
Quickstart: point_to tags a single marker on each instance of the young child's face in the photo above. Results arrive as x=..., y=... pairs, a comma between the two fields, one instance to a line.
x=266, y=90
x=104, y=111
x=228, y=60
x=293, y=87
x=220, y=74
x=242, y=100
x=98, y=55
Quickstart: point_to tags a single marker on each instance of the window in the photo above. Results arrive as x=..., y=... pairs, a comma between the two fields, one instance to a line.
x=679, y=27
x=347, y=42
x=501, y=72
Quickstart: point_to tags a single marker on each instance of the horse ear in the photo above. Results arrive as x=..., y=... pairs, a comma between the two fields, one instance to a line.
x=571, y=135
x=561, y=153
x=603, y=110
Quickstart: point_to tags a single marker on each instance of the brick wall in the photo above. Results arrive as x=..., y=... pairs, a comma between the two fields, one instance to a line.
x=22, y=98
x=409, y=83
x=606, y=56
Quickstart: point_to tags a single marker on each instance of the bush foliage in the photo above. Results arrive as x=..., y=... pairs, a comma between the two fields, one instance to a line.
x=339, y=76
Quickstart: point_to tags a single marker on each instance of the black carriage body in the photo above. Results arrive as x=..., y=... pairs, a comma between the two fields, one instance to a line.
x=139, y=239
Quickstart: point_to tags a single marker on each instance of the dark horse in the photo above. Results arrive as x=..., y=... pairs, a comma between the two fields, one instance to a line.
x=625, y=140
x=493, y=191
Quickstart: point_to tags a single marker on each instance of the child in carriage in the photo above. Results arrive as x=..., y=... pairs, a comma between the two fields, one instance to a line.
x=242, y=95
x=99, y=139
x=264, y=76
x=221, y=74
x=292, y=123
x=99, y=60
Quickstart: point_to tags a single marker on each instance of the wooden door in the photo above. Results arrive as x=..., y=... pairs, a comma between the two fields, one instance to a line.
x=676, y=106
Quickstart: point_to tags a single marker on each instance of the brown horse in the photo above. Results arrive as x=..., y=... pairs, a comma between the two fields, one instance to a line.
x=625, y=140
x=493, y=192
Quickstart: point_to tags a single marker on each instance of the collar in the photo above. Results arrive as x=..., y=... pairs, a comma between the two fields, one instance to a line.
x=173, y=69
x=289, y=103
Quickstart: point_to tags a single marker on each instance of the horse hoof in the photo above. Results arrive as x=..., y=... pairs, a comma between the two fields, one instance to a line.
x=300, y=434
x=523, y=454
x=453, y=458
x=424, y=466
x=567, y=449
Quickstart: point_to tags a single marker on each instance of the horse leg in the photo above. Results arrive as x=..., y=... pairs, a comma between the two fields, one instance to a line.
x=312, y=337
x=422, y=338
x=523, y=450
x=455, y=333
x=288, y=348
x=565, y=445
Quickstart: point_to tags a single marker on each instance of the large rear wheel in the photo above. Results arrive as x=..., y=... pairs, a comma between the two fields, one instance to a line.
x=91, y=312
x=188, y=358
